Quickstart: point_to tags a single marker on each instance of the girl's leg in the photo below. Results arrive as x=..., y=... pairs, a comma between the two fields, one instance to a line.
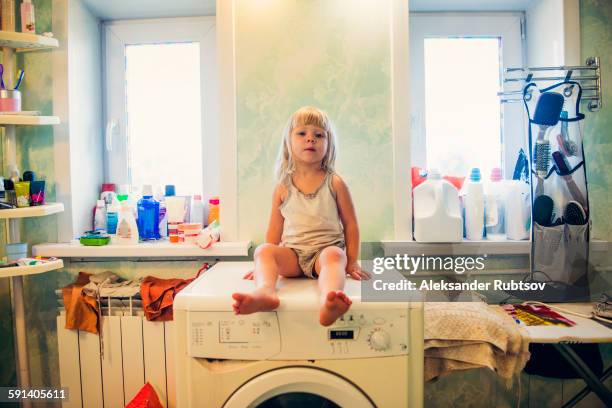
x=331, y=268
x=270, y=261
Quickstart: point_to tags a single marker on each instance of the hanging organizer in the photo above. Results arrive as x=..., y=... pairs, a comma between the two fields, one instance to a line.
x=560, y=243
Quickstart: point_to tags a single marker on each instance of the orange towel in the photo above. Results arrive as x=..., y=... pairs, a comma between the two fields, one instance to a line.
x=158, y=295
x=81, y=310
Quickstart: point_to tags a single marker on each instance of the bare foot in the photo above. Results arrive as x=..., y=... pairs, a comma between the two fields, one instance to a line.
x=258, y=301
x=336, y=304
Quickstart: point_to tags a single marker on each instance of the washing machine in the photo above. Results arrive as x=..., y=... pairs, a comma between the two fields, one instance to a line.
x=372, y=357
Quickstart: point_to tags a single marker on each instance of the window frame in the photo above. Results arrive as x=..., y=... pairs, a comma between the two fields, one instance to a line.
x=117, y=34
x=508, y=26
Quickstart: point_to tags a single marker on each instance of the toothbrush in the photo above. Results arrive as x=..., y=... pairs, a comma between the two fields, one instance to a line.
x=2, y=76
x=21, y=74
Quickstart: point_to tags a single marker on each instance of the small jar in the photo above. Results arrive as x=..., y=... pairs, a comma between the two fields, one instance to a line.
x=10, y=100
x=188, y=232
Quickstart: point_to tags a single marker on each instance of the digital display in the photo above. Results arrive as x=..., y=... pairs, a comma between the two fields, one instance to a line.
x=341, y=334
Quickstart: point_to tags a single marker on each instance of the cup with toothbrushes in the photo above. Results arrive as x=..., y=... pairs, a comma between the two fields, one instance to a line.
x=10, y=99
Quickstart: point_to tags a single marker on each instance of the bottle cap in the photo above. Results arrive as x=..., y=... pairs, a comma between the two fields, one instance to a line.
x=214, y=201
x=496, y=174
x=147, y=190
x=197, y=197
x=434, y=174
x=475, y=174
x=100, y=203
x=124, y=189
x=122, y=197
x=108, y=187
x=170, y=190
x=29, y=176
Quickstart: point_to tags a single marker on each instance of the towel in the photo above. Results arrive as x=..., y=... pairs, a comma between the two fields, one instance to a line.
x=158, y=295
x=81, y=309
x=465, y=335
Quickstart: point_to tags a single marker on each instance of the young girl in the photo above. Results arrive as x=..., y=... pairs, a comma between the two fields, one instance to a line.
x=313, y=229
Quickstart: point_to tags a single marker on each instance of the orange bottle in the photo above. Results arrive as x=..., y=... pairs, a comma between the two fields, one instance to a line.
x=213, y=210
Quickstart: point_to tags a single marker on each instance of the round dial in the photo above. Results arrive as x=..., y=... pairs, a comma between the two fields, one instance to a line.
x=379, y=340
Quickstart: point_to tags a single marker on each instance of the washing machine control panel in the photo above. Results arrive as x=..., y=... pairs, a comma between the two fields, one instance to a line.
x=224, y=335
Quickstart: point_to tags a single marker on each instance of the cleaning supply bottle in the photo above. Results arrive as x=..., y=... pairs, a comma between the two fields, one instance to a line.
x=127, y=229
x=112, y=216
x=213, y=210
x=495, y=225
x=197, y=210
x=148, y=215
x=28, y=23
x=437, y=216
x=100, y=216
x=473, y=203
x=108, y=193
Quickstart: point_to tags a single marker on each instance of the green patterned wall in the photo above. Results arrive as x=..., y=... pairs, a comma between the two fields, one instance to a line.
x=596, y=40
x=291, y=53
x=299, y=52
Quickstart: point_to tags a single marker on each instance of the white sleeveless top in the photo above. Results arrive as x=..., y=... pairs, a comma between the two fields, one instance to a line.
x=311, y=220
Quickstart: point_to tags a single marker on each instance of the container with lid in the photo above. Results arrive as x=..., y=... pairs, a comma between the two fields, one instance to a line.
x=10, y=100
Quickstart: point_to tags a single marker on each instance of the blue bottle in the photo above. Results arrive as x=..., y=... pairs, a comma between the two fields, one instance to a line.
x=148, y=215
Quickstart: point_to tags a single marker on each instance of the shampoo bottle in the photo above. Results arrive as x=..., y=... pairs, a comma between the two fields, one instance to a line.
x=473, y=202
x=148, y=215
x=494, y=207
x=28, y=23
x=127, y=230
x=100, y=216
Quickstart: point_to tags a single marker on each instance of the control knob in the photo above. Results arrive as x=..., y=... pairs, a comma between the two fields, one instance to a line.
x=379, y=340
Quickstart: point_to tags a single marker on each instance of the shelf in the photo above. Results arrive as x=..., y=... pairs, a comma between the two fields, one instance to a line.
x=162, y=249
x=37, y=211
x=28, y=120
x=31, y=270
x=26, y=42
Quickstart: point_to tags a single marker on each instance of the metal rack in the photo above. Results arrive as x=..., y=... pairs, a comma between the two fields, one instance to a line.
x=590, y=82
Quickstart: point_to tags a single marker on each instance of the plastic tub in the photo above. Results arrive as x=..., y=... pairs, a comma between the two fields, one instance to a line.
x=16, y=251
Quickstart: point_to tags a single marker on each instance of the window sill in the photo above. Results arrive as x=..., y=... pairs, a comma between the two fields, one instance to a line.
x=162, y=249
x=470, y=247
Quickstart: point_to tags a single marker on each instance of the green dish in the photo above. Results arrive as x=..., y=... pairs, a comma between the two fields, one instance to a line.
x=94, y=241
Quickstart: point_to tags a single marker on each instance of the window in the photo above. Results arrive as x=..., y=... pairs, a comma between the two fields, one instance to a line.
x=161, y=104
x=457, y=63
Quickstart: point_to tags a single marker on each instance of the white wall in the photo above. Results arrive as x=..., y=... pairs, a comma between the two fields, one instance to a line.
x=78, y=103
x=553, y=33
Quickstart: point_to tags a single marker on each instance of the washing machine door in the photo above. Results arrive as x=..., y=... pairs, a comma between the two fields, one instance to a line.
x=298, y=387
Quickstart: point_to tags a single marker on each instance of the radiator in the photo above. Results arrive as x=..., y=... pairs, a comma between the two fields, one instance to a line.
x=136, y=351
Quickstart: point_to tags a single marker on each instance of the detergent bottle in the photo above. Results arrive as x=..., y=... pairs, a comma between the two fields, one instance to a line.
x=437, y=216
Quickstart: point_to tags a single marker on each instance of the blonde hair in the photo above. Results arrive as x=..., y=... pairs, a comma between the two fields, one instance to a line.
x=305, y=116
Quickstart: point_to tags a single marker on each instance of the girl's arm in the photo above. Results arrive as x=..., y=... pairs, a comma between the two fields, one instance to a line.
x=346, y=210
x=275, y=225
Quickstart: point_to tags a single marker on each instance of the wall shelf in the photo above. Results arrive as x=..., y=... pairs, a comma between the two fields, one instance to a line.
x=162, y=249
x=26, y=42
x=31, y=270
x=28, y=120
x=35, y=211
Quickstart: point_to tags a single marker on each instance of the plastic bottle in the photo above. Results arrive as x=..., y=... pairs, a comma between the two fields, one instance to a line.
x=197, y=210
x=495, y=225
x=473, y=202
x=112, y=216
x=28, y=22
x=148, y=215
x=127, y=229
x=213, y=210
x=8, y=15
x=518, y=210
x=100, y=216
x=108, y=193
x=437, y=216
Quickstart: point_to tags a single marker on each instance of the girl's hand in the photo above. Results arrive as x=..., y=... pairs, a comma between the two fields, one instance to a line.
x=249, y=275
x=354, y=271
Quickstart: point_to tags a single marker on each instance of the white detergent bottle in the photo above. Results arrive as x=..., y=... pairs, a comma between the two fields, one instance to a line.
x=197, y=210
x=127, y=229
x=437, y=216
x=100, y=216
x=473, y=202
x=495, y=225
